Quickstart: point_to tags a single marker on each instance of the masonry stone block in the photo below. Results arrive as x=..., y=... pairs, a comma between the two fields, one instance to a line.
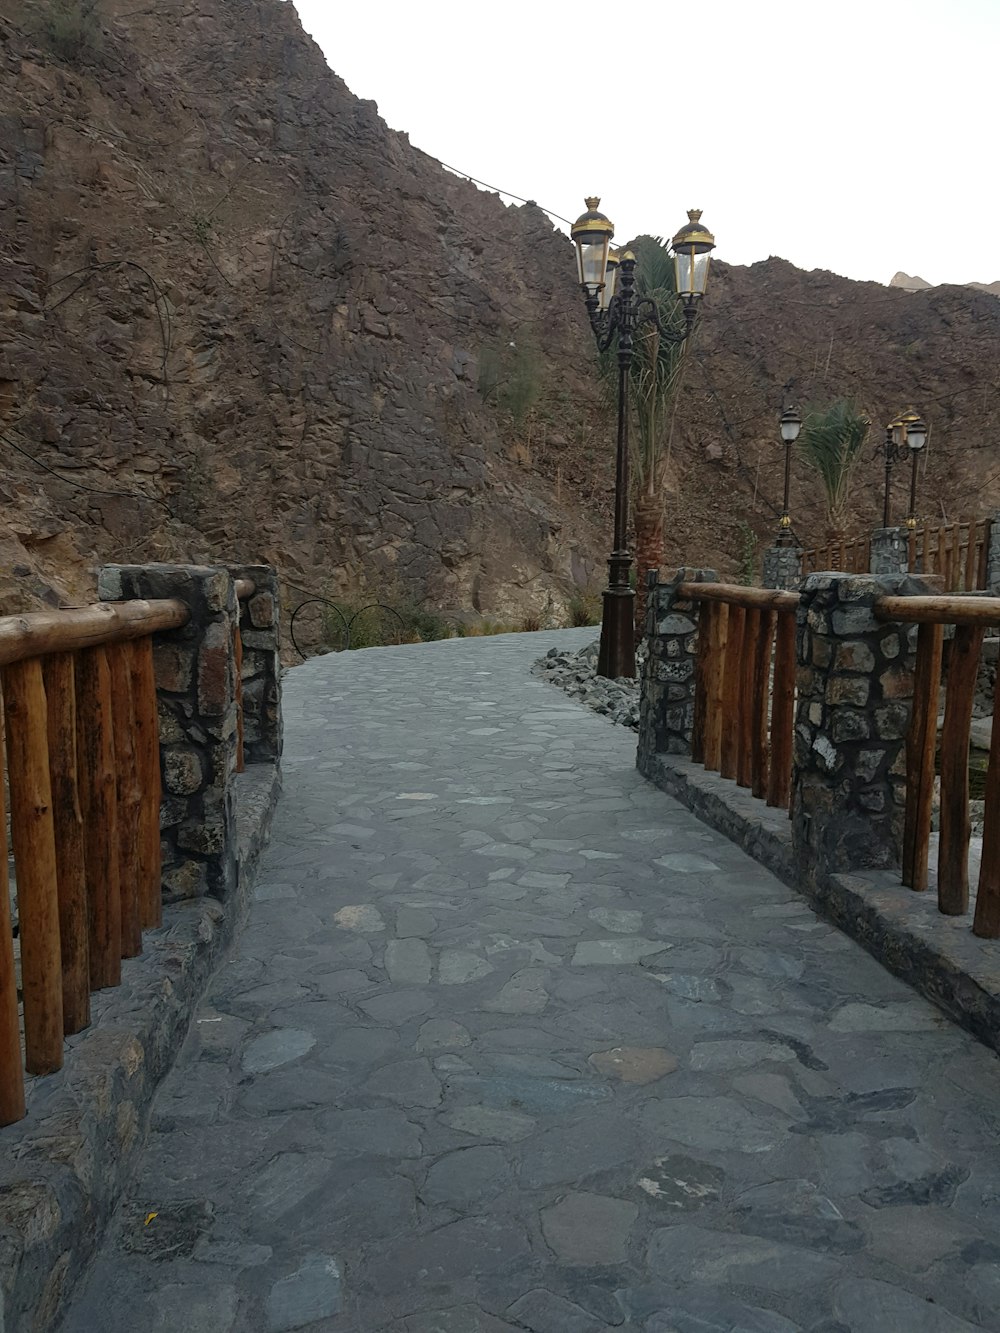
x=782, y=567
x=852, y=716
x=666, y=708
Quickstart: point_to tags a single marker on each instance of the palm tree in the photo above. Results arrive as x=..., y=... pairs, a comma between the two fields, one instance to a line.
x=657, y=364
x=831, y=441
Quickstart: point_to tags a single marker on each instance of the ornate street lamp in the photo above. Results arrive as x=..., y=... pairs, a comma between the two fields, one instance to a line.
x=790, y=425
x=905, y=434
x=615, y=314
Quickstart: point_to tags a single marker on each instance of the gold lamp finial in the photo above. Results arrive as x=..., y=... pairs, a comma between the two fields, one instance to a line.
x=694, y=214
x=593, y=201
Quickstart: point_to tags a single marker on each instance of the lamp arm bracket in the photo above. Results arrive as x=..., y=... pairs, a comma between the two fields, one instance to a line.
x=649, y=313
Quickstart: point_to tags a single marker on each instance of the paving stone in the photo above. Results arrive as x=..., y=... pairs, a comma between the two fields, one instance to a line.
x=704, y=1310
x=617, y=953
x=524, y=993
x=458, y=1319
x=276, y=1048
x=207, y=1309
x=681, y=1184
x=864, y=1305
x=398, y=1007
x=487, y=1123
x=738, y=1054
x=617, y=919
x=686, y=863
x=543, y=1312
x=714, y=1256
x=717, y=1122
x=290, y=1090
x=364, y=918
x=408, y=962
x=439, y=1034
x=375, y=1132
x=457, y=967
x=589, y=1229
x=906, y=1016
x=411, y=1083
x=635, y=1064
x=311, y=1293
x=467, y=1178
x=415, y=922
x=359, y=1046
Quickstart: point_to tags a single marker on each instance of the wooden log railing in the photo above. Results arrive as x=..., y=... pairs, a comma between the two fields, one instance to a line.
x=745, y=686
x=971, y=616
x=83, y=764
x=957, y=552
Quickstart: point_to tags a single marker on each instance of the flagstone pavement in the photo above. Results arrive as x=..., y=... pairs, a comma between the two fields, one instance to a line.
x=511, y=1041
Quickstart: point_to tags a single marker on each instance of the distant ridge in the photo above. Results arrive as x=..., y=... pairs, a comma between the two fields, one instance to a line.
x=915, y=284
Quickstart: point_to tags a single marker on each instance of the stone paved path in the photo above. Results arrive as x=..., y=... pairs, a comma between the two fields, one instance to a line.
x=511, y=1041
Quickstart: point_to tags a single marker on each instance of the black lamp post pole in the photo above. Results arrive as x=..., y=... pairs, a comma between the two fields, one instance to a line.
x=617, y=651
x=623, y=316
x=890, y=450
x=911, y=522
x=785, y=526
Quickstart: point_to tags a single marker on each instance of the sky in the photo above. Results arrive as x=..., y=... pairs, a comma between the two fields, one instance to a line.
x=855, y=135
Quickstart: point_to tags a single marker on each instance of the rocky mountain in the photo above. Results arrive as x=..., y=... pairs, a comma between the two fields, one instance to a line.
x=241, y=318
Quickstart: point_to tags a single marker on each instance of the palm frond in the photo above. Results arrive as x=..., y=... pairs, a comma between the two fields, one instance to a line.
x=831, y=443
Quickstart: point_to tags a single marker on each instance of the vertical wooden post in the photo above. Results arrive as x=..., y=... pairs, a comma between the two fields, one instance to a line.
x=731, y=694
x=99, y=803
x=921, y=744
x=751, y=630
x=33, y=835
x=953, y=852
x=986, y=923
x=703, y=665
x=982, y=567
x=719, y=630
x=782, y=712
x=129, y=798
x=60, y=696
x=761, y=696
x=147, y=749
x=11, y=1072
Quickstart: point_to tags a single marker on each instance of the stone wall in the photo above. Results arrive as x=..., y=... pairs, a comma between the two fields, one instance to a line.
x=196, y=693
x=855, y=689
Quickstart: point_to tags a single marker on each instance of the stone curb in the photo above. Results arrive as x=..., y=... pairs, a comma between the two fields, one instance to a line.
x=937, y=955
x=65, y=1165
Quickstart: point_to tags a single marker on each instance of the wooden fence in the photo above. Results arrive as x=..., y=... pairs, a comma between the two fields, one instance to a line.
x=957, y=552
x=971, y=617
x=849, y=557
x=742, y=722
x=83, y=762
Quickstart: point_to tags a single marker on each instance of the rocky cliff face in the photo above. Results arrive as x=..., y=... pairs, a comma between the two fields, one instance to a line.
x=241, y=319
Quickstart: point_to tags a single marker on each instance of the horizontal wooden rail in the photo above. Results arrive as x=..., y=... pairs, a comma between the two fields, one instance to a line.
x=245, y=589
x=735, y=594
x=42, y=632
x=943, y=610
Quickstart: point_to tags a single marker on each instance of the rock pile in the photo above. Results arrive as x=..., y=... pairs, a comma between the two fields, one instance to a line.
x=576, y=673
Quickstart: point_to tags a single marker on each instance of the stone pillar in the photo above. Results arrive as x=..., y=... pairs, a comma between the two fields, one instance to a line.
x=782, y=567
x=260, y=631
x=993, y=555
x=890, y=551
x=196, y=691
x=666, y=704
x=855, y=691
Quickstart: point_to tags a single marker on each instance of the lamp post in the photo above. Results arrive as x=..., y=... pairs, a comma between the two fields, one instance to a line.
x=616, y=313
x=790, y=424
x=905, y=434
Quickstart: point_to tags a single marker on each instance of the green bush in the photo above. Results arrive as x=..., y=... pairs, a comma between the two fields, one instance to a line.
x=584, y=609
